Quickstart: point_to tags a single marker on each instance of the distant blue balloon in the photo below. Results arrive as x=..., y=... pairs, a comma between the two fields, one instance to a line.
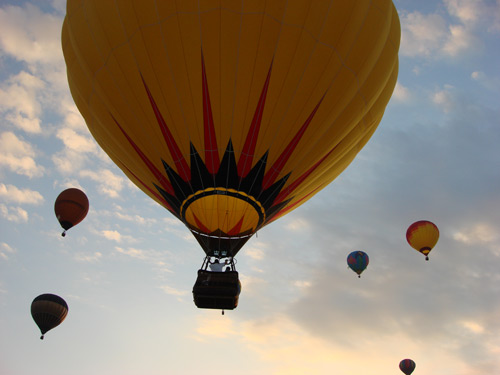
x=358, y=261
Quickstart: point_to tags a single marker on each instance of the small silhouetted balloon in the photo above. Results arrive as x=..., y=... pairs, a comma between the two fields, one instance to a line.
x=407, y=366
x=48, y=311
x=358, y=261
x=71, y=207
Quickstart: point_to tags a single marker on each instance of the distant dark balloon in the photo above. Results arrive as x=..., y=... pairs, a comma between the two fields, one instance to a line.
x=48, y=311
x=358, y=261
x=423, y=236
x=407, y=366
x=71, y=207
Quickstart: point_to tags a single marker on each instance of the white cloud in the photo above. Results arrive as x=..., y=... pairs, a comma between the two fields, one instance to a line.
x=477, y=75
x=430, y=36
x=73, y=119
x=480, y=233
x=302, y=284
x=18, y=99
x=401, y=93
x=90, y=258
x=444, y=99
x=489, y=82
x=18, y=156
x=255, y=252
x=5, y=250
x=76, y=142
x=134, y=253
x=153, y=257
x=473, y=327
x=253, y=285
x=474, y=12
x=422, y=35
x=467, y=11
x=134, y=218
x=297, y=225
x=14, y=214
x=69, y=161
x=11, y=193
x=459, y=39
x=112, y=235
x=210, y=327
x=172, y=291
x=109, y=183
x=30, y=35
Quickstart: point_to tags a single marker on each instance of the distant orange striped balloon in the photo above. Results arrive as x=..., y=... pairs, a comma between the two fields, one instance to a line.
x=423, y=236
x=230, y=114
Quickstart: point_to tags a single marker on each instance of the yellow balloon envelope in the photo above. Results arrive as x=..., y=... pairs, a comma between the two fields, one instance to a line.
x=231, y=114
x=423, y=236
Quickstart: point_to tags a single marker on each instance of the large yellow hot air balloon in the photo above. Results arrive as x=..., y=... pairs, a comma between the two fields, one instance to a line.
x=231, y=114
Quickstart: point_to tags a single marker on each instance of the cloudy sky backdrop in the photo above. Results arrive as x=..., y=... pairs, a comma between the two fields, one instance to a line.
x=127, y=271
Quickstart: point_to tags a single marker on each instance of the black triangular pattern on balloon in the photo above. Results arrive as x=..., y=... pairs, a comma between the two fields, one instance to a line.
x=273, y=210
x=200, y=176
x=181, y=188
x=252, y=183
x=227, y=175
x=172, y=200
x=267, y=197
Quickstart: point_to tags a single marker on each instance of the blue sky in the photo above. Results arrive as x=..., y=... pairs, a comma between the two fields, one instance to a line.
x=127, y=271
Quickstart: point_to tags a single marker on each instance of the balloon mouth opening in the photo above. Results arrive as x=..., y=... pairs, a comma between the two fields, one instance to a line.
x=222, y=236
x=222, y=213
x=425, y=250
x=66, y=224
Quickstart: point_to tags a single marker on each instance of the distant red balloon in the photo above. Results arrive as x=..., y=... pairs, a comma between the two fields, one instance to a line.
x=407, y=366
x=71, y=207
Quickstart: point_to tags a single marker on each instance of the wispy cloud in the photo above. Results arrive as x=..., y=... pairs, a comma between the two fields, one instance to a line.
x=76, y=142
x=473, y=12
x=210, y=327
x=436, y=35
x=298, y=225
x=132, y=252
x=11, y=193
x=430, y=36
x=479, y=233
x=134, y=218
x=18, y=101
x=112, y=235
x=173, y=291
x=255, y=251
x=444, y=98
x=30, y=34
x=422, y=35
x=88, y=257
x=6, y=250
x=109, y=183
x=14, y=214
x=18, y=156
x=401, y=93
x=158, y=259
